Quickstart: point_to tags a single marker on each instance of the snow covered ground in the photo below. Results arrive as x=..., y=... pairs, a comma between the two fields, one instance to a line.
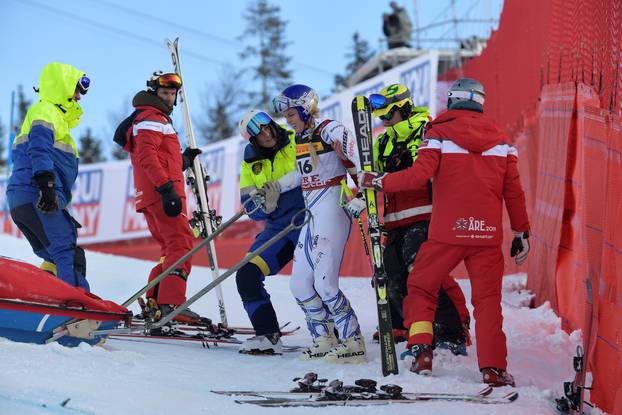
x=126, y=377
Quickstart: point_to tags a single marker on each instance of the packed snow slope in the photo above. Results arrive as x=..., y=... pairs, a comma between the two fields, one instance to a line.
x=129, y=377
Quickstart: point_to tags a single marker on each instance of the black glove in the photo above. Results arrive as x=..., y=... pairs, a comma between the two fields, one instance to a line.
x=520, y=246
x=48, y=201
x=171, y=203
x=188, y=156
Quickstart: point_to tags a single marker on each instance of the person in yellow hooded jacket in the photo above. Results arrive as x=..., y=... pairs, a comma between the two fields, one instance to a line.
x=45, y=166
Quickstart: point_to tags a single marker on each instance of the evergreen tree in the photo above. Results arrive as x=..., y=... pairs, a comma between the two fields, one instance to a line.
x=22, y=105
x=265, y=38
x=358, y=55
x=118, y=153
x=222, y=109
x=90, y=148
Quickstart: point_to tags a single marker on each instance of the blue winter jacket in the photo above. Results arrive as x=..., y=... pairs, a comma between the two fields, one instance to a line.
x=44, y=142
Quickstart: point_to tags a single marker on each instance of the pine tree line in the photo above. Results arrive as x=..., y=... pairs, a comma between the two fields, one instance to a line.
x=264, y=55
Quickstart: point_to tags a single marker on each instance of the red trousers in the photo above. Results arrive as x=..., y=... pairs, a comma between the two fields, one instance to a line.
x=175, y=239
x=485, y=267
x=455, y=294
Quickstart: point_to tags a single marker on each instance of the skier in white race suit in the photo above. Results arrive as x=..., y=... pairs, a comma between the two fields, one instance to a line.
x=325, y=151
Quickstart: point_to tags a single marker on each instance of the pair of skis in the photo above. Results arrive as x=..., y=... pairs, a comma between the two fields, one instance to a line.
x=204, y=219
x=205, y=334
x=314, y=392
x=361, y=115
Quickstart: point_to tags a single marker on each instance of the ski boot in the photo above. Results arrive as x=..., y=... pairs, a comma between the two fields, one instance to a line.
x=454, y=338
x=456, y=348
x=399, y=336
x=152, y=311
x=187, y=316
x=496, y=377
x=350, y=350
x=321, y=346
x=422, y=359
x=148, y=309
x=268, y=344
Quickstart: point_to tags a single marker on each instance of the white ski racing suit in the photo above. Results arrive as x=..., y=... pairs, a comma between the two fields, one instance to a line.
x=320, y=248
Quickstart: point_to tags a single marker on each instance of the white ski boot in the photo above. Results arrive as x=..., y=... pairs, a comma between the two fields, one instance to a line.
x=350, y=350
x=321, y=346
x=264, y=344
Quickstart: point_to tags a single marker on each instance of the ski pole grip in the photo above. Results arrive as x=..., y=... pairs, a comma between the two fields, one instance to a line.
x=307, y=217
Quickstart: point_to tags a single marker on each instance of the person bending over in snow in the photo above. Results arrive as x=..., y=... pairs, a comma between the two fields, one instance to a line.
x=473, y=170
x=45, y=167
x=268, y=168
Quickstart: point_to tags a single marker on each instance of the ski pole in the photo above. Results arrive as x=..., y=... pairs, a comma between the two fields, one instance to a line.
x=63, y=330
x=249, y=256
x=348, y=192
x=256, y=199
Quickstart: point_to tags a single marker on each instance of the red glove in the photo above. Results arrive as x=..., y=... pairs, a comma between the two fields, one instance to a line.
x=370, y=180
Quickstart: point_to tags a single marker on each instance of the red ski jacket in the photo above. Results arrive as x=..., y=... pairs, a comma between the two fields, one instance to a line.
x=473, y=171
x=155, y=151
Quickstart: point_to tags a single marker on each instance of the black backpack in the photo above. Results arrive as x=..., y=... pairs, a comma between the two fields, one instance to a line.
x=123, y=133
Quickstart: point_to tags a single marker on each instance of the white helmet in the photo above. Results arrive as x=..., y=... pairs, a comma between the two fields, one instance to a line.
x=250, y=125
x=466, y=94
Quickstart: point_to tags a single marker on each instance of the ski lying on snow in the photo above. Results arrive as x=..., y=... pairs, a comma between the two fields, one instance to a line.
x=234, y=329
x=367, y=399
x=204, y=340
x=314, y=391
x=300, y=394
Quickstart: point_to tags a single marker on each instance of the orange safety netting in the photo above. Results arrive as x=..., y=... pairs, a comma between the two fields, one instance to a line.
x=552, y=75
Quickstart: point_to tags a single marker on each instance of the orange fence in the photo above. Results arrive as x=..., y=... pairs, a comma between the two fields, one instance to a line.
x=552, y=74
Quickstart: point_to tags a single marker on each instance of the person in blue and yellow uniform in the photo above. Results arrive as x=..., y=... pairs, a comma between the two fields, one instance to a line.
x=45, y=167
x=407, y=218
x=269, y=168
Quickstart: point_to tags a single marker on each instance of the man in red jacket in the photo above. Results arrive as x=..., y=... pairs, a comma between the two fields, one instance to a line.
x=158, y=167
x=473, y=170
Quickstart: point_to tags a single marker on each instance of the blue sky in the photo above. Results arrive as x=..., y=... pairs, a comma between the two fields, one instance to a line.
x=120, y=43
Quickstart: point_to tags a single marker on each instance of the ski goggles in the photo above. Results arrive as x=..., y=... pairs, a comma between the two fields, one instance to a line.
x=169, y=80
x=378, y=101
x=253, y=127
x=282, y=103
x=83, y=84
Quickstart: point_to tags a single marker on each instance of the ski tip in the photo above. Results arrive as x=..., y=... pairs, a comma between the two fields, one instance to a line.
x=486, y=391
x=512, y=396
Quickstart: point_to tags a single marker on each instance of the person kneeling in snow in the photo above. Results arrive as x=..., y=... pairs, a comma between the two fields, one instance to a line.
x=268, y=167
x=473, y=170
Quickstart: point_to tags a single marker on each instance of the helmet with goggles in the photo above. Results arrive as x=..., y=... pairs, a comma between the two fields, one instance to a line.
x=466, y=94
x=250, y=125
x=390, y=99
x=159, y=79
x=298, y=96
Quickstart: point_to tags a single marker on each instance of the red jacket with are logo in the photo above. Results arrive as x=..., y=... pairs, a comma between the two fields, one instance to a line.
x=473, y=171
x=155, y=151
